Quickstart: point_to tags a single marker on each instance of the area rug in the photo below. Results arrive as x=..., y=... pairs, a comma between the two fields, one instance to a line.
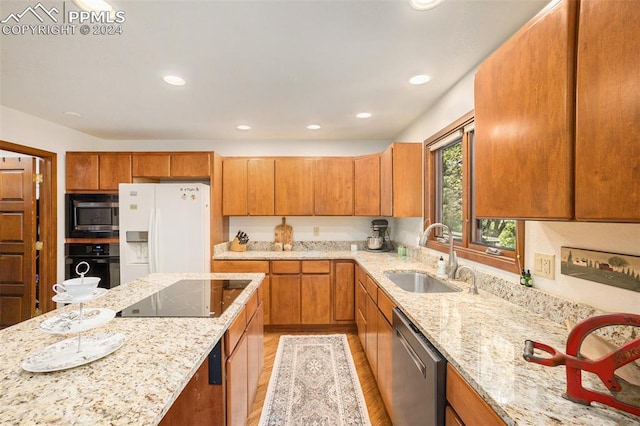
x=314, y=382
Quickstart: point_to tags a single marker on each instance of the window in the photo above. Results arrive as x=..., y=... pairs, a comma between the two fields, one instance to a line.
x=449, y=200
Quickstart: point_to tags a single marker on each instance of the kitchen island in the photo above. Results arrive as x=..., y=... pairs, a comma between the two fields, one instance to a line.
x=136, y=384
x=482, y=336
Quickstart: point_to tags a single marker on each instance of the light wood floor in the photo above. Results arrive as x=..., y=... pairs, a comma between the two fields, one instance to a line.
x=377, y=412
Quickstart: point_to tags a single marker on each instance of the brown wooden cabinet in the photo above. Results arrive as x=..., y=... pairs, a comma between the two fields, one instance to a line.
x=401, y=180
x=249, y=266
x=468, y=406
x=524, y=115
x=234, y=187
x=294, y=186
x=285, y=292
x=237, y=385
x=344, y=291
x=174, y=165
x=261, y=186
x=608, y=110
x=367, y=185
x=97, y=171
x=334, y=186
x=361, y=305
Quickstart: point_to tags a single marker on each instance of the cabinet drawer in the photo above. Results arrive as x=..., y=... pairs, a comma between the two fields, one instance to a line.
x=385, y=305
x=361, y=275
x=362, y=298
x=467, y=403
x=285, y=267
x=316, y=266
x=241, y=266
x=372, y=289
x=252, y=306
x=235, y=331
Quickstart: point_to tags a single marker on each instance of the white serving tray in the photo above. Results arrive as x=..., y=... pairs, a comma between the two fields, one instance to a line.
x=69, y=322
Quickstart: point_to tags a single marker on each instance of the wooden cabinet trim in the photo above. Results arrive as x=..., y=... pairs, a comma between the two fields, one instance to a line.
x=241, y=266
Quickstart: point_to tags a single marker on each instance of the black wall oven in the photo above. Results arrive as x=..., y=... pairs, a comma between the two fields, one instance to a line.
x=103, y=260
x=92, y=215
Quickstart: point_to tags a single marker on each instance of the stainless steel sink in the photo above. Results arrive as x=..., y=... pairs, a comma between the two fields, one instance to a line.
x=418, y=282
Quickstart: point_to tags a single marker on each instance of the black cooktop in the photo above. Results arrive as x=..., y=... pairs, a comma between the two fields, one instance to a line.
x=188, y=298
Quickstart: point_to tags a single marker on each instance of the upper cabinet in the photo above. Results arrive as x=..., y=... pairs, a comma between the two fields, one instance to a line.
x=524, y=114
x=248, y=187
x=294, y=186
x=171, y=165
x=608, y=112
x=401, y=180
x=556, y=117
x=367, y=185
x=334, y=186
x=91, y=171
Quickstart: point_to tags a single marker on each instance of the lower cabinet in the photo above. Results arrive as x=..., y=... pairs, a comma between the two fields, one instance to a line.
x=466, y=406
x=373, y=320
x=302, y=292
x=237, y=384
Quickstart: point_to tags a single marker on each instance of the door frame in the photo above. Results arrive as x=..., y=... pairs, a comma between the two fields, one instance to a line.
x=48, y=220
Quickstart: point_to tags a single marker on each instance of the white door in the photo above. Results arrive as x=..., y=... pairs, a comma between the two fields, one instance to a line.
x=136, y=206
x=182, y=215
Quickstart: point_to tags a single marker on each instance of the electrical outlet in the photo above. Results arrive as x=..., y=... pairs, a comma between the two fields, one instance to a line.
x=544, y=265
x=316, y=231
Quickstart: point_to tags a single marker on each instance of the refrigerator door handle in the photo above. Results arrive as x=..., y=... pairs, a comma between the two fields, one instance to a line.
x=152, y=241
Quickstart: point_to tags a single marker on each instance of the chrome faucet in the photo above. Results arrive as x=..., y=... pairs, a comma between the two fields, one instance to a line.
x=453, y=258
x=473, y=289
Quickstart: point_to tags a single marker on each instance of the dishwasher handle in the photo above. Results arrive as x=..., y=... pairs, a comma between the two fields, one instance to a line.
x=412, y=353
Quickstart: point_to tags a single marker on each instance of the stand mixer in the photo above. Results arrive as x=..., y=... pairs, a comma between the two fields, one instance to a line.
x=379, y=239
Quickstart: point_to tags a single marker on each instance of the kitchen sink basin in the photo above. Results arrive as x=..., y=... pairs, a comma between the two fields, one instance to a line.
x=418, y=282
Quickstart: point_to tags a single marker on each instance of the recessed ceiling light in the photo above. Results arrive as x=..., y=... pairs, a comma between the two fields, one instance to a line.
x=363, y=115
x=424, y=4
x=94, y=5
x=419, y=79
x=73, y=114
x=174, y=80
x=243, y=127
x=313, y=127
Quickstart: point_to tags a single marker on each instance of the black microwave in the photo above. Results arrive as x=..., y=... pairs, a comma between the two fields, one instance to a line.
x=91, y=215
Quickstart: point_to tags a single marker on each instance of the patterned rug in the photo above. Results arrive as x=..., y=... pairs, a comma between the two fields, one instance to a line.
x=314, y=382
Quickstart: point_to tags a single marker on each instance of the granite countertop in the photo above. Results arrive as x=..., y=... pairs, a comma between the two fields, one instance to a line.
x=136, y=384
x=482, y=336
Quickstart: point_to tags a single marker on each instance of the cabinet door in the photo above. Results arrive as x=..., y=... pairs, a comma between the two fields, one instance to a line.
x=372, y=335
x=81, y=171
x=261, y=187
x=367, y=185
x=114, y=169
x=524, y=118
x=385, y=365
x=386, y=182
x=237, y=389
x=151, y=165
x=608, y=112
x=407, y=180
x=234, y=187
x=255, y=356
x=334, y=187
x=285, y=299
x=191, y=165
x=316, y=299
x=294, y=186
x=344, y=291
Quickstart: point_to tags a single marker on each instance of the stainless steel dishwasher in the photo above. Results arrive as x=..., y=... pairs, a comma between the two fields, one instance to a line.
x=419, y=374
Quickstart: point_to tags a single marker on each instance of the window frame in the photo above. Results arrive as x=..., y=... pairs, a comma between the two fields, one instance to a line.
x=510, y=261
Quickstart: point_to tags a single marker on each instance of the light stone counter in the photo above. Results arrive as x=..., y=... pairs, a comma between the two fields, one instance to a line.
x=135, y=385
x=482, y=336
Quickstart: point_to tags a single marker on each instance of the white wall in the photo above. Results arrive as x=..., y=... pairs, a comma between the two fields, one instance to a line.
x=545, y=237
x=27, y=130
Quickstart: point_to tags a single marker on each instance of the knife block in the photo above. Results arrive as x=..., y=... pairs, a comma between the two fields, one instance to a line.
x=236, y=246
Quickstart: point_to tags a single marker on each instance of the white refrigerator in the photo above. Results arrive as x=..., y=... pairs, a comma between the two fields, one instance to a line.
x=164, y=227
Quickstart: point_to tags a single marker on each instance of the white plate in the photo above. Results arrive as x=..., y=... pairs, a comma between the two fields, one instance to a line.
x=64, y=355
x=69, y=322
x=64, y=298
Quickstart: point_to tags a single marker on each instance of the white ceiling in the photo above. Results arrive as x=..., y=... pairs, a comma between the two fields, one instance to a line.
x=275, y=65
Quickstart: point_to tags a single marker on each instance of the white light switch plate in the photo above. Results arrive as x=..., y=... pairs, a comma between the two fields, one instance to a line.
x=544, y=265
